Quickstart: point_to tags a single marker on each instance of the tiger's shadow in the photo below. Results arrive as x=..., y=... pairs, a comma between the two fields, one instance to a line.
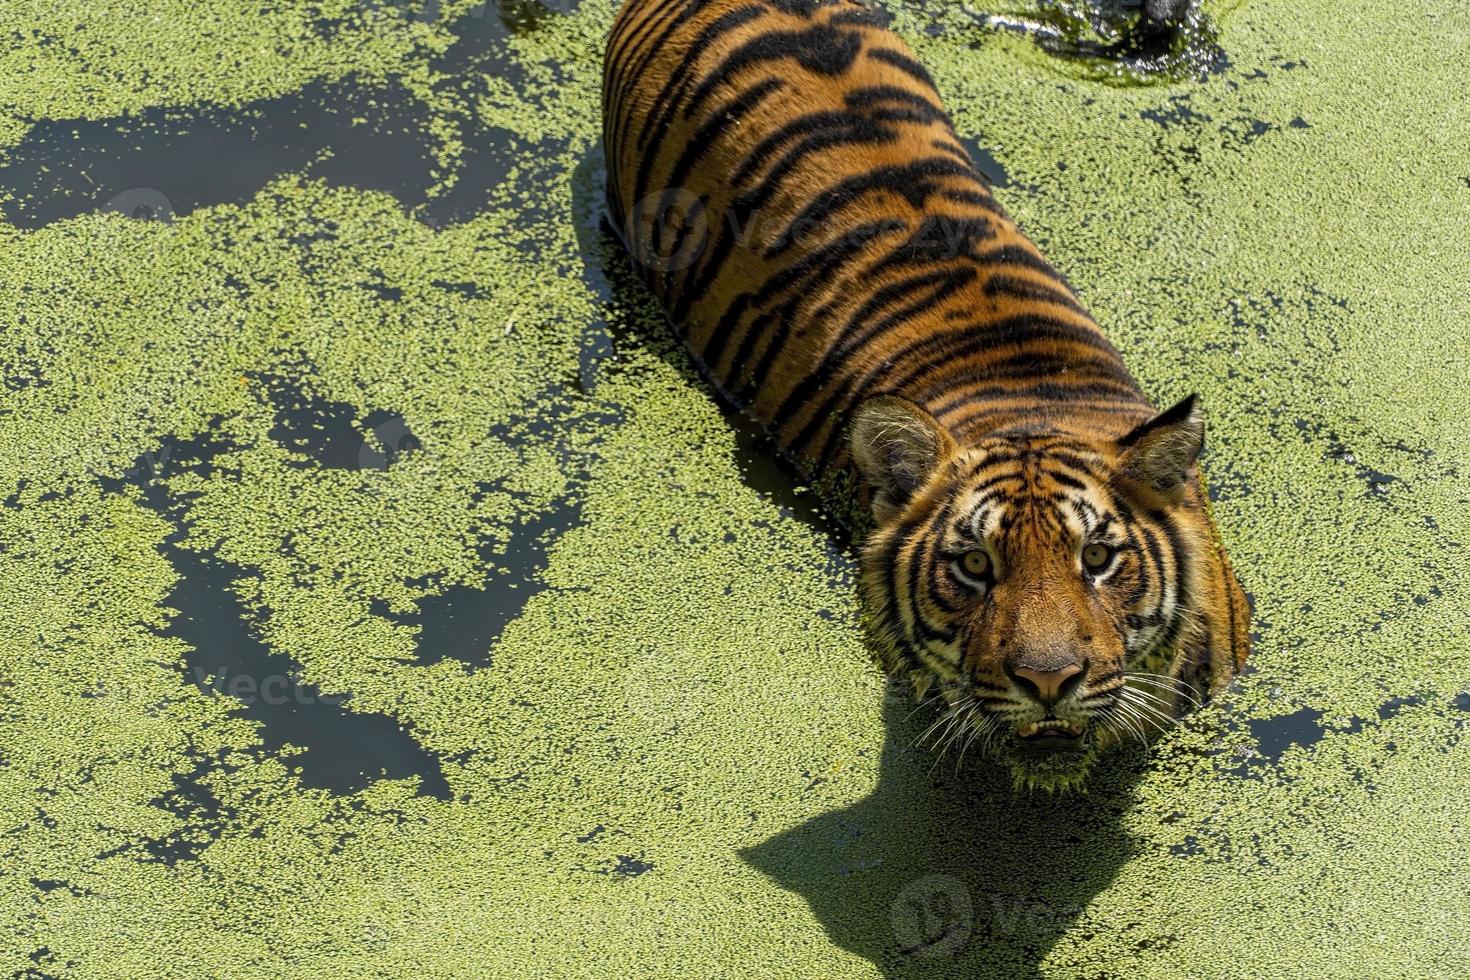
x=945, y=873
x=934, y=873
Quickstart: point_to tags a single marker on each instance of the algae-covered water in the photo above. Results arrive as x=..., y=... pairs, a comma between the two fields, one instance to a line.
x=385, y=595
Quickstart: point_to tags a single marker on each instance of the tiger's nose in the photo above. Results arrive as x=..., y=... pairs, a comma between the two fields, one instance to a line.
x=1049, y=686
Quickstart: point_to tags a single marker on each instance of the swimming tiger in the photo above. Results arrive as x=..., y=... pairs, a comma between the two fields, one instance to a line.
x=1040, y=561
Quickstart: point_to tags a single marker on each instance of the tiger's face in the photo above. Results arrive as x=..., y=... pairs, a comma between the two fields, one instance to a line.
x=1038, y=586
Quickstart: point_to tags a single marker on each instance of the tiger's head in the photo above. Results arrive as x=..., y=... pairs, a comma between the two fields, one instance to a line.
x=1039, y=584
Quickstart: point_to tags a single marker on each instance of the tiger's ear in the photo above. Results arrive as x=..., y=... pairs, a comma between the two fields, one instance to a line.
x=1159, y=453
x=896, y=445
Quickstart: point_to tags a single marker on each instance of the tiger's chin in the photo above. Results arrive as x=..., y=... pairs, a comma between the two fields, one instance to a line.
x=1052, y=755
x=1058, y=767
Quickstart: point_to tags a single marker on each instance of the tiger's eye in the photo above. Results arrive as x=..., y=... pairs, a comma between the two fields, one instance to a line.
x=1097, y=556
x=976, y=563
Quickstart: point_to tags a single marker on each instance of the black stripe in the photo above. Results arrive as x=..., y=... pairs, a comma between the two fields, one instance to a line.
x=661, y=111
x=753, y=334
x=1026, y=363
x=1069, y=481
x=860, y=18
x=921, y=532
x=843, y=131
x=939, y=238
x=919, y=558
x=820, y=49
x=702, y=142
x=1076, y=462
x=1048, y=392
x=722, y=120
x=835, y=358
x=835, y=120
x=967, y=393
x=942, y=346
x=914, y=182
x=1181, y=574
x=1150, y=548
x=812, y=272
x=1001, y=284
x=903, y=63
x=873, y=96
x=1023, y=256
x=889, y=613
x=953, y=149
x=1230, y=607
x=796, y=8
x=633, y=73
x=911, y=180
x=753, y=201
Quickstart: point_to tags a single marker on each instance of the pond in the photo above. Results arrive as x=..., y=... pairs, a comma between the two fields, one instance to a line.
x=387, y=594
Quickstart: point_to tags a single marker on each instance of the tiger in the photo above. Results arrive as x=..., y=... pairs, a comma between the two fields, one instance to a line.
x=1038, y=559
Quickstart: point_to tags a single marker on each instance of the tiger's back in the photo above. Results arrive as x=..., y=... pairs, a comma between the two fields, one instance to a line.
x=797, y=198
x=793, y=192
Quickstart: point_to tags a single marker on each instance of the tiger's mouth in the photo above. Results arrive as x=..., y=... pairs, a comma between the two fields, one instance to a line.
x=1050, y=736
